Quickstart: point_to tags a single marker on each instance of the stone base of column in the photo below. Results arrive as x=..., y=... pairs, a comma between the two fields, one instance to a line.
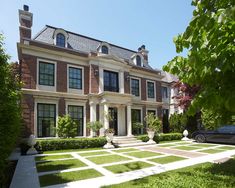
x=108, y=146
x=32, y=151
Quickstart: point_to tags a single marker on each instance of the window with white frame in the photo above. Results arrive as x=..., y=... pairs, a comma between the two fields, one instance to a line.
x=60, y=40
x=75, y=78
x=164, y=92
x=104, y=49
x=46, y=74
x=150, y=89
x=76, y=113
x=135, y=87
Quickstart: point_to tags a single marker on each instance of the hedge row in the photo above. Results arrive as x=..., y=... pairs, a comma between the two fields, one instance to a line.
x=161, y=137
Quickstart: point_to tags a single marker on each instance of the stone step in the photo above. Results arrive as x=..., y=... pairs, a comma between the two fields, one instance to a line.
x=126, y=141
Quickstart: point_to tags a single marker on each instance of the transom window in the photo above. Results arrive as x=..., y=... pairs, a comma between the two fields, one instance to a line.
x=76, y=113
x=46, y=73
x=164, y=92
x=104, y=49
x=75, y=78
x=138, y=60
x=111, y=81
x=150, y=86
x=60, y=40
x=135, y=89
x=46, y=120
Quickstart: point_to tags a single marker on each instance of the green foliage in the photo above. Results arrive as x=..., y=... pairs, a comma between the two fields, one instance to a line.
x=70, y=143
x=177, y=122
x=136, y=127
x=94, y=126
x=67, y=127
x=210, y=120
x=153, y=123
x=210, y=64
x=10, y=113
x=161, y=137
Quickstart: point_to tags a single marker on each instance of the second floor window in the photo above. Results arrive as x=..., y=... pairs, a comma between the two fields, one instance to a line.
x=164, y=92
x=111, y=81
x=46, y=73
x=138, y=60
x=135, y=89
x=75, y=78
x=150, y=86
x=60, y=40
x=104, y=49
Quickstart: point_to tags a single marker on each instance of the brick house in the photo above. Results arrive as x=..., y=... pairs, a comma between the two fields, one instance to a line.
x=68, y=73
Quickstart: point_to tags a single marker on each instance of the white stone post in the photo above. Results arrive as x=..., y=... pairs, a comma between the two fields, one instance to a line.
x=129, y=128
x=106, y=113
x=101, y=117
x=121, y=81
x=92, y=115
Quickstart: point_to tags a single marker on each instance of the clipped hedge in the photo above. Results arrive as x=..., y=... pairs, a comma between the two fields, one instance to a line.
x=69, y=143
x=161, y=137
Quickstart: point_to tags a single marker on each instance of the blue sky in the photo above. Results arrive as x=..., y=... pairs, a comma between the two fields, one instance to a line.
x=127, y=23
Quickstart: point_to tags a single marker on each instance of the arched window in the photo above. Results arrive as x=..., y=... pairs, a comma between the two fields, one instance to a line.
x=60, y=40
x=104, y=49
x=138, y=60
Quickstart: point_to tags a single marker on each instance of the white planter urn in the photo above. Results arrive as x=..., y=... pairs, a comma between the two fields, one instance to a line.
x=31, y=143
x=109, y=138
x=151, y=135
x=185, y=138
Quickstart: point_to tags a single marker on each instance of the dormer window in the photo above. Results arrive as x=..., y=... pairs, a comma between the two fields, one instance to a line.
x=60, y=40
x=104, y=49
x=138, y=61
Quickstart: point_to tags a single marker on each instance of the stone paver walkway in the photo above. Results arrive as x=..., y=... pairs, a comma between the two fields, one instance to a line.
x=26, y=174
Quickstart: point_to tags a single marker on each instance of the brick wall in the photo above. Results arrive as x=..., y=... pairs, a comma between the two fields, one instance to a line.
x=94, y=79
x=61, y=109
x=28, y=66
x=143, y=89
x=61, y=76
x=126, y=83
x=158, y=91
x=27, y=104
x=86, y=80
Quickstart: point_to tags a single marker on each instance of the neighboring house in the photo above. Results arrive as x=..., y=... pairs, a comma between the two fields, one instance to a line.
x=68, y=73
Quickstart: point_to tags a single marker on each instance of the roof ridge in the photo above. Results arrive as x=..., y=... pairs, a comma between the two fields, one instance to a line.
x=92, y=38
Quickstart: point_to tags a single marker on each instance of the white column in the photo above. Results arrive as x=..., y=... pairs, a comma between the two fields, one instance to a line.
x=101, y=117
x=121, y=81
x=106, y=113
x=92, y=115
x=129, y=128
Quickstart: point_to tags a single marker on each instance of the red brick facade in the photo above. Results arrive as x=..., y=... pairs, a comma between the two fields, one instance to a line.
x=94, y=76
x=61, y=76
x=143, y=89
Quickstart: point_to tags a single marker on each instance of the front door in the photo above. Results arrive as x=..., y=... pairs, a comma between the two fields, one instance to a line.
x=113, y=120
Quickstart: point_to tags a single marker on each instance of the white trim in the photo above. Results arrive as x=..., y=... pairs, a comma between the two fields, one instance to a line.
x=77, y=103
x=154, y=84
x=99, y=49
x=134, y=59
x=44, y=87
x=75, y=91
x=44, y=101
x=136, y=78
x=141, y=111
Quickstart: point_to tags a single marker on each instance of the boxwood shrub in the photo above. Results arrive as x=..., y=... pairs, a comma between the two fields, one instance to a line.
x=161, y=137
x=69, y=143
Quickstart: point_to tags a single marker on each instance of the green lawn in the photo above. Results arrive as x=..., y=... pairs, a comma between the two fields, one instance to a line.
x=143, y=154
x=211, y=151
x=65, y=177
x=71, y=150
x=125, y=150
x=107, y=159
x=168, y=159
x=226, y=147
x=52, y=157
x=94, y=153
x=128, y=167
x=203, y=176
x=59, y=165
x=188, y=148
x=203, y=145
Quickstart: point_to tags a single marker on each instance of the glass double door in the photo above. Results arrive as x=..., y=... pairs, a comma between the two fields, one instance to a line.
x=113, y=119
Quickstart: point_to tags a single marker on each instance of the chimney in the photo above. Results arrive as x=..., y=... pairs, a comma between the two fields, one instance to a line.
x=26, y=22
x=144, y=52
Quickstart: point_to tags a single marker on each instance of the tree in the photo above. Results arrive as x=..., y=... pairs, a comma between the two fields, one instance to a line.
x=67, y=127
x=10, y=113
x=210, y=64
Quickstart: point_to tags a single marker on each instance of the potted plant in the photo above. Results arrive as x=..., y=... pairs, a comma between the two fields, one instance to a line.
x=109, y=137
x=153, y=125
x=137, y=126
x=94, y=127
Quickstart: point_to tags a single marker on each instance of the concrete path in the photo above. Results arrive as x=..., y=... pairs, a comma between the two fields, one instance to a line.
x=26, y=174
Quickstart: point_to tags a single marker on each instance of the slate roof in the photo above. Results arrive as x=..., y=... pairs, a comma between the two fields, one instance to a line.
x=169, y=78
x=84, y=44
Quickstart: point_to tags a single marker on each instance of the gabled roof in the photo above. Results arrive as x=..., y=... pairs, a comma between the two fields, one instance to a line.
x=168, y=78
x=85, y=44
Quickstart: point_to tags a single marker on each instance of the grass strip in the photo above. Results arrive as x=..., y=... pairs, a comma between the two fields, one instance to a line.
x=107, y=159
x=71, y=150
x=126, y=150
x=187, y=148
x=143, y=154
x=226, y=147
x=168, y=159
x=93, y=153
x=65, y=177
x=127, y=167
x=59, y=165
x=211, y=151
x=52, y=157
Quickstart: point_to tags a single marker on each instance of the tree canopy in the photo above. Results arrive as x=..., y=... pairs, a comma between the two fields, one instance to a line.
x=210, y=62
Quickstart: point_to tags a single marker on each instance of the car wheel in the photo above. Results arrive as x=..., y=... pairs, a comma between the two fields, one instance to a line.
x=200, y=138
